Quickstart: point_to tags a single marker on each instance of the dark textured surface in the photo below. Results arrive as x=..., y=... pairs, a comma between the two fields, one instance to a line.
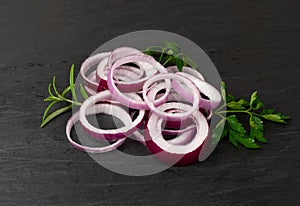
x=254, y=46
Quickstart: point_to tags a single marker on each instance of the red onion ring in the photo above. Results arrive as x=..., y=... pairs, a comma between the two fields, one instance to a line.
x=211, y=92
x=169, y=153
x=181, y=139
x=188, y=70
x=178, y=131
x=118, y=95
x=121, y=52
x=75, y=118
x=170, y=116
x=112, y=134
x=87, y=64
x=103, y=69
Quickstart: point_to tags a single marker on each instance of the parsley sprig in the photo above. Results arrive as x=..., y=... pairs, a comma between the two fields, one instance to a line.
x=233, y=128
x=170, y=54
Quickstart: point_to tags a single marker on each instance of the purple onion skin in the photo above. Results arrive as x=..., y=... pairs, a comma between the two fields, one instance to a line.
x=170, y=158
x=102, y=85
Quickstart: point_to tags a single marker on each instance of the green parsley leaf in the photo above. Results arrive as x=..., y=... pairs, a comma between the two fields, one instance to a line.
x=223, y=90
x=230, y=98
x=275, y=117
x=241, y=104
x=234, y=124
x=256, y=128
x=267, y=111
x=168, y=60
x=253, y=97
x=225, y=130
x=247, y=142
x=148, y=53
x=172, y=47
x=179, y=64
x=218, y=131
x=255, y=103
x=232, y=139
x=188, y=61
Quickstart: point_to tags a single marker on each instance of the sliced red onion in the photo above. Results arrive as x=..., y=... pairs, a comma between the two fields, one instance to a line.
x=170, y=153
x=165, y=115
x=135, y=86
x=211, y=92
x=188, y=70
x=123, y=73
x=92, y=110
x=121, y=52
x=112, y=134
x=91, y=77
x=86, y=66
x=179, y=106
x=137, y=78
x=178, y=131
x=173, y=96
x=103, y=69
x=183, y=138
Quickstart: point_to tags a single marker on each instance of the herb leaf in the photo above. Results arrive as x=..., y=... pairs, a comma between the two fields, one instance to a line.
x=83, y=92
x=234, y=124
x=55, y=114
x=242, y=139
x=53, y=99
x=241, y=104
x=267, y=111
x=218, y=130
x=235, y=130
x=255, y=103
x=230, y=98
x=257, y=128
x=179, y=64
x=275, y=117
x=223, y=91
x=169, y=55
x=66, y=90
x=188, y=61
x=48, y=108
x=72, y=84
x=238, y=134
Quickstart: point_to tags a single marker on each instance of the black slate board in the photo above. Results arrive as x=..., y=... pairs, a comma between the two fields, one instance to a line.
x=253, y=45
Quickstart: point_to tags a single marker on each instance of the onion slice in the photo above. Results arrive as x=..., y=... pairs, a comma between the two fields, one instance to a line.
x=87, y=64
x=112, y=134
x=135, y=86
x=170, y=116
x=179, y=154
x=188, y=70
x=75, y=118
x=211, y=92
x=128, y=73
x=121, y=52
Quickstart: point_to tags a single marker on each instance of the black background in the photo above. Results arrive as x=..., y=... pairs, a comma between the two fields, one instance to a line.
x=253, y=45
